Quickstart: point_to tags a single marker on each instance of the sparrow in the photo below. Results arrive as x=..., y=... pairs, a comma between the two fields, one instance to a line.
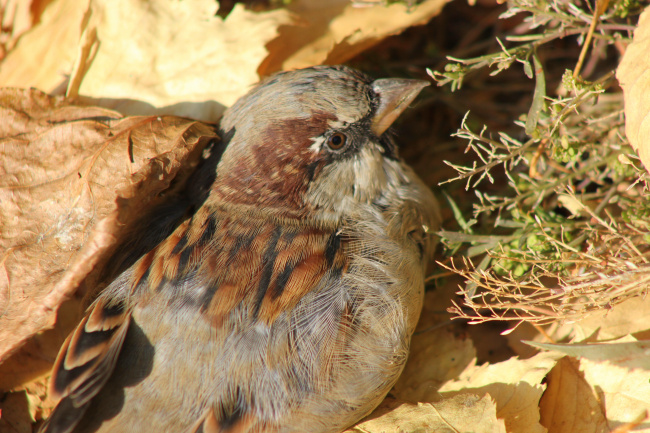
x=285, y=302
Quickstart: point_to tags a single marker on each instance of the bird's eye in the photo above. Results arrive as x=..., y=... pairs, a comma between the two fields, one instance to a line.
x=336, y=141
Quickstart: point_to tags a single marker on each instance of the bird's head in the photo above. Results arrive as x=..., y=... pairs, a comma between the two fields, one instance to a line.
x=314, y=139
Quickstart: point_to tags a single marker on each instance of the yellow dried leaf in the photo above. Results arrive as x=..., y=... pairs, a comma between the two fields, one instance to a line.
x=618, y=374
x=17, y=17
x=515, y=385
x=624, y=392
x=331, y=32
x=45, y=54
x=626, y=351
x=170, y=57
x=634, y=76
x=462, y=413
x=436, y=357
x=628, y=317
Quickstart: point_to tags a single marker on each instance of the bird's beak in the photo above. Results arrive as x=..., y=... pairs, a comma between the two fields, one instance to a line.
x=395, y=94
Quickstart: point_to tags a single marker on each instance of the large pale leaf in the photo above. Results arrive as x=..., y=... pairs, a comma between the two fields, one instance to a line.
x=626, y=351
x=462, y=413
x=612, y=382
x=436, y=357
x=515, y=385
x=72, y=180
x=624, y=392
x=634, y=76
x=331, y=32
x=177, y=57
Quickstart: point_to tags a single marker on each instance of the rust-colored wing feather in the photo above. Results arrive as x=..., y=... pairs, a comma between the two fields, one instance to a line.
x=85, y=363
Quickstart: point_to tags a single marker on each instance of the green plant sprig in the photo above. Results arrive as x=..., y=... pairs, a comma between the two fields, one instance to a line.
x=563, y=236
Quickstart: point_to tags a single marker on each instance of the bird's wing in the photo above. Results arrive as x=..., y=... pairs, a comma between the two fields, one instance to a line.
x=85, y=362
x=234, y=262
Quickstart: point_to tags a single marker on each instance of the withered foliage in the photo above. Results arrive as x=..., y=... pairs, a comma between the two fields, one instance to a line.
x=74, y=180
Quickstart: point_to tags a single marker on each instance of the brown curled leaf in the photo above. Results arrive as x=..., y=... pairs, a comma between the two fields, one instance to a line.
x=72, y=182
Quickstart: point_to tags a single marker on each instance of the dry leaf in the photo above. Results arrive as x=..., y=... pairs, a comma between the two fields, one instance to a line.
x=73, y=179
x=618, y=374
x=14, y=413
x=44, y=55
x=625, y=393
x=628, y=317
x=436, y=357
x=569, y=404
x=462, y=413
x=515, y=385
x=331, y=32
x=33, y=361
x=174, y=57
x=20, y=408
x=39, y=403
x=626, y=351
x=634, y=76
x=16, y=18
x=161, y=57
